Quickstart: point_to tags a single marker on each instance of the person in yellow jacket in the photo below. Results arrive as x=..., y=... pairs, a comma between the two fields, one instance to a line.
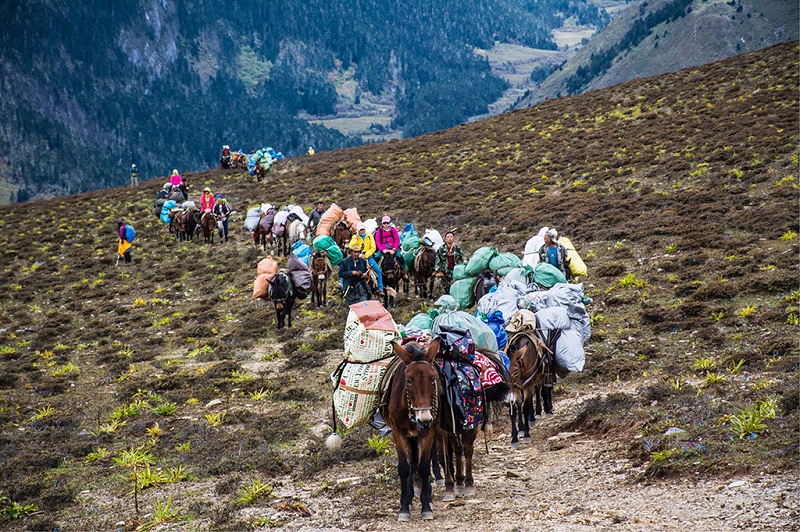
x=368, y=248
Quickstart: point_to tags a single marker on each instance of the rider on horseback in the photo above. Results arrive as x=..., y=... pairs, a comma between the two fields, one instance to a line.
x=207, y=201
x=387, y=239
x=225, y=159
x=447, y=257
x=367, y=244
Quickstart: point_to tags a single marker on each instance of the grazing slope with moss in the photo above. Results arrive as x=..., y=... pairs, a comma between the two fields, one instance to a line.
x=680, y=192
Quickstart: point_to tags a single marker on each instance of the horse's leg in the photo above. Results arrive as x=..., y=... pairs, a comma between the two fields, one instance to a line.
x=404, y=472
x=424, y=470
x=469, y=447
x=547, y=395
x=513, y=410
x=430, y=290
x=288, y=309
x=527, y=416
x=458, y=451
x=279, y=313
x=437, y=469
x=538, y=392
x=445, y=452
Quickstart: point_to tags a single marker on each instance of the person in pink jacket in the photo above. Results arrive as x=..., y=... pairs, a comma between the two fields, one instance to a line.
x=387, y=239
x=207, y=200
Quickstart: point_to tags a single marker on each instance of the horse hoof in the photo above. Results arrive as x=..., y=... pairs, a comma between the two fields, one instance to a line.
x=526, y=439
x=520, y=433
x=403, y=517
x=440, y=482
x=469, y=492
x=449, y=497
x=427, y=516
x=460, y=490
x=515, y=445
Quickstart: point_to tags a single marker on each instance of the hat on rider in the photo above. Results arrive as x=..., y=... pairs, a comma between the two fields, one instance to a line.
x=206, y=189
x=355, y=247
x=175, y=172
x=218, y=196
x=386, y=220
x=360, y=226
x=167, y=186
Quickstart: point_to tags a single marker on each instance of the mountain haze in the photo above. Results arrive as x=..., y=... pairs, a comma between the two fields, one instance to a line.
x=658, y=36
x=88, y=89
x=680, y=191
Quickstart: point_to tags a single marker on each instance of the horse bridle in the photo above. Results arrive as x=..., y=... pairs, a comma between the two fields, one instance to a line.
x=434, y=408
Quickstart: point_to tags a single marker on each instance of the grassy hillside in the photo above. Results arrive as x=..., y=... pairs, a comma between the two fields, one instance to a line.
x=680, y=192
x=662, y=36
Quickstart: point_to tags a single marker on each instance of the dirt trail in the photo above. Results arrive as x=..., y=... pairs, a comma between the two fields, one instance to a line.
x=567, y=481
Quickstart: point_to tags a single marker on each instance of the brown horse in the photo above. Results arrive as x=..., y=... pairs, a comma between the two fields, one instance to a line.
x=281, y=293
x=412, y=413
x=208, y=223
x=531, y=365
x=486, y=280
x=259, y=171
x=185, y=225
x=320, y=271
x=279, y=239
x=424, y=266
x=342, y=235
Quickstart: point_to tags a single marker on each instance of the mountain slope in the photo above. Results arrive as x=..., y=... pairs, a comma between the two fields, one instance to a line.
x=661, y=36
x=165, y=84
x=680, y=192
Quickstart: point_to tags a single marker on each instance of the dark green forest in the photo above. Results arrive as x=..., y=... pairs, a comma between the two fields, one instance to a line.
x=89, y=87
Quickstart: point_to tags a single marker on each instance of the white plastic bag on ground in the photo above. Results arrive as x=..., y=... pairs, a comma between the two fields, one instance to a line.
x=434, y=237
x=569, y=350
x=532, y=246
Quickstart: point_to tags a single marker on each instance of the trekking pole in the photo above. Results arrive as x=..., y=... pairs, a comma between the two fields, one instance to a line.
x=343, y=297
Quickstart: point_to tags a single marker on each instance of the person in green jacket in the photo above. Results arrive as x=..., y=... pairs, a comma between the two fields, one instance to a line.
x=448, y=256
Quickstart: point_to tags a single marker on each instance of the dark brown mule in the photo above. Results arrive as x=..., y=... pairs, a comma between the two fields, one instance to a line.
x=208, y=223
x=342, y=235
x=281, y=293
x=486, y=280
x=185, y=225
x=261, y=233
x=259, y=172
x=530, y=364
x=320, y=271
x=412, y=413
x=424, y=266
x=392, y=274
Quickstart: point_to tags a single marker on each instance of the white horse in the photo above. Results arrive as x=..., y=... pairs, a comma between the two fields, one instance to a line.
x=297, y=231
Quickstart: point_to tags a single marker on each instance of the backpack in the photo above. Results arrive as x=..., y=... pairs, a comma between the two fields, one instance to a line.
x=130, y=233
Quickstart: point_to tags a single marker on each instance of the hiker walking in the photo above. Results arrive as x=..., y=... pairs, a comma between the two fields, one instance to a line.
x=222, y=210
x=554, y=253
x=353, y=273
x=134, y=175
x=314, y=217
x=447, y=257
x=367, y=244
x=123, y=246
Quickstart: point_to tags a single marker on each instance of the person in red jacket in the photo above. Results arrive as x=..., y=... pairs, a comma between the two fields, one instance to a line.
x=207, y=200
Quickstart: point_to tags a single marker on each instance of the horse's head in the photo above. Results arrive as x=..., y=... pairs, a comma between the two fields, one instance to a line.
x=421, y=382
x=525, y=361
x=319, y=264
x=280, y=289
x=389, y=266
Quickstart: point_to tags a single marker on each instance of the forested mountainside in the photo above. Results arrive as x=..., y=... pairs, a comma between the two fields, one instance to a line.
x=89, y=88
x=658, y=36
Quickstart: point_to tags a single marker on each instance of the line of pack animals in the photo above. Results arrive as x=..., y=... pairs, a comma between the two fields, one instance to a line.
x=256, y=163
x=435, y=380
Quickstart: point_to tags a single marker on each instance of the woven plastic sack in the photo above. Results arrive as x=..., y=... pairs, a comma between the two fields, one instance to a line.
x=521, y=274
x=366, y=345
x=371, y=226
x=356, y=395
x=496, y=323
x=261, y=287
x=459, y=272
x=446, y=302
x=408, y=258
x=299, y=273
x=352, y=218
x=411, y=242
x=548, y=275
x=328, y=245
x=302, y=251
x=463, y=292
x=569, y=351
x=576, y=264
x=553, y=318
x=482, y=335
x=268, y=266
x=332, y=215
x=422, y=321
x=504, y=260
x=480, y=260
x=532, y=246
x=435, y=237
